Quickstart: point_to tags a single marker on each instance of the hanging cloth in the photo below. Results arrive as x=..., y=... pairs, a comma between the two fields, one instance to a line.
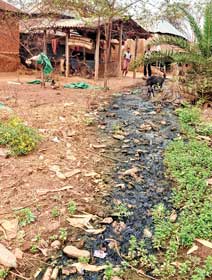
x=54, y=46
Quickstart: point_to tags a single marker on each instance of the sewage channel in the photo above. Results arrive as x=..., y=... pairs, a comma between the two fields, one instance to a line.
x=143, y=130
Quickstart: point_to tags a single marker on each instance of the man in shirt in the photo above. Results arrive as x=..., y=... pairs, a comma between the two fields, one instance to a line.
x=147, y=66
x=127, y=59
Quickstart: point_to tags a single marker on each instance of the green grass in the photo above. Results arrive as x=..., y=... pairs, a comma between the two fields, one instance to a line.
x=189, y=165
x=18, y=137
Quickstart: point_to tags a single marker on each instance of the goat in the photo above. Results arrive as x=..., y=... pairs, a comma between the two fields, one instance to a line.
x=154, y=82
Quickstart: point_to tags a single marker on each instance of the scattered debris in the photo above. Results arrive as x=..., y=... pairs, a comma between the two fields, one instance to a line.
x=55, y=273
x=43, y=192
x=173, y=217
x=19, y=254
x=100, y=254
x=7, y=258
x=193, y=249
x=56, y=244
x=131, y=172
x=47, y=274
x=81, y=267
x=10, y=227
x=81, y=221
x=118, y=137
x=4, y=152
x=205, y=243
x=108, y=221
x=147, y=233
x=74, y=252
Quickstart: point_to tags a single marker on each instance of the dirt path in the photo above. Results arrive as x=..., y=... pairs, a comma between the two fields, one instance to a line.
x=66, y=120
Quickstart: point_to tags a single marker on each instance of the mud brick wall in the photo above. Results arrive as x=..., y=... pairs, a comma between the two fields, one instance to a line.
x=9, y=42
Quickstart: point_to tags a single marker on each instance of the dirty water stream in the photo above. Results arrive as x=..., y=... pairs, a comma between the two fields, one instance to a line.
x=142, y=130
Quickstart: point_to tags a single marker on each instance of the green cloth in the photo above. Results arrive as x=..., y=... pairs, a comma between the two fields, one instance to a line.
x=44, y=60
x=34, y=82
x=80, y=85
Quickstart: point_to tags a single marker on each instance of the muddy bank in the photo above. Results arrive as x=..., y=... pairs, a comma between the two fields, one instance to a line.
x=142, y=130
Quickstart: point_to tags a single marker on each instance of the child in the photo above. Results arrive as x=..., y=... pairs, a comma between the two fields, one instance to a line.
x=127, y=59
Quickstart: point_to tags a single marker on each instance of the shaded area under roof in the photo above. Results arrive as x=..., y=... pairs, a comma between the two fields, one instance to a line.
x=164, y=27
x=4, y=6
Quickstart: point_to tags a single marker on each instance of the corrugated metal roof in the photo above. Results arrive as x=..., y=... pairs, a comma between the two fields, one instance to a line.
x=165, y=27
x=8, y=7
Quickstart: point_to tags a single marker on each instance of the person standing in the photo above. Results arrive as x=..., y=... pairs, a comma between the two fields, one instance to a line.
x=147, y=65
x=127, y=59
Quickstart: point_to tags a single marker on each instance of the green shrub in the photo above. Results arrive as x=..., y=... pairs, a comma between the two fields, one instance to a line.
x=20, y=138
x=72, y=207
x=25, y=217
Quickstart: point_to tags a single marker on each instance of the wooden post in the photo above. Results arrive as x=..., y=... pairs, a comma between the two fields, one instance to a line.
x=97, y=53
x=84, y=55
x=120, y=48
x=136, y=52
x=42, y=77
x=67, y=54
x=45, y=42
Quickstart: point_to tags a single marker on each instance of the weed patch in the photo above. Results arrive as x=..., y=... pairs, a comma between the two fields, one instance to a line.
x=20, y=138
x=189, y=164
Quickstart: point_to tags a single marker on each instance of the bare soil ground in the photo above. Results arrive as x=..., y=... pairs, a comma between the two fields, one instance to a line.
x=70, y=143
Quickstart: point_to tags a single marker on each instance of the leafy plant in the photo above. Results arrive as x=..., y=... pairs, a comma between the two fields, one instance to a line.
x=108, y=274
x=53, y=237
x=72, y=207
x=122, y=211
x=63, y=234
x=55, y=212
x=34, y=249
x=83, y=260
x=20, y=138
x=3, y=273
x=25, y=217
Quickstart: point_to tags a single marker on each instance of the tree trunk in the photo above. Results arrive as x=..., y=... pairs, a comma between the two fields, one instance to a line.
x=135, y=55
x=108, y=31
x=97, y=52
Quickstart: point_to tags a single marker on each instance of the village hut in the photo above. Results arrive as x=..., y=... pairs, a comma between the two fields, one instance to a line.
x=9, y=37
x=84, y=40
